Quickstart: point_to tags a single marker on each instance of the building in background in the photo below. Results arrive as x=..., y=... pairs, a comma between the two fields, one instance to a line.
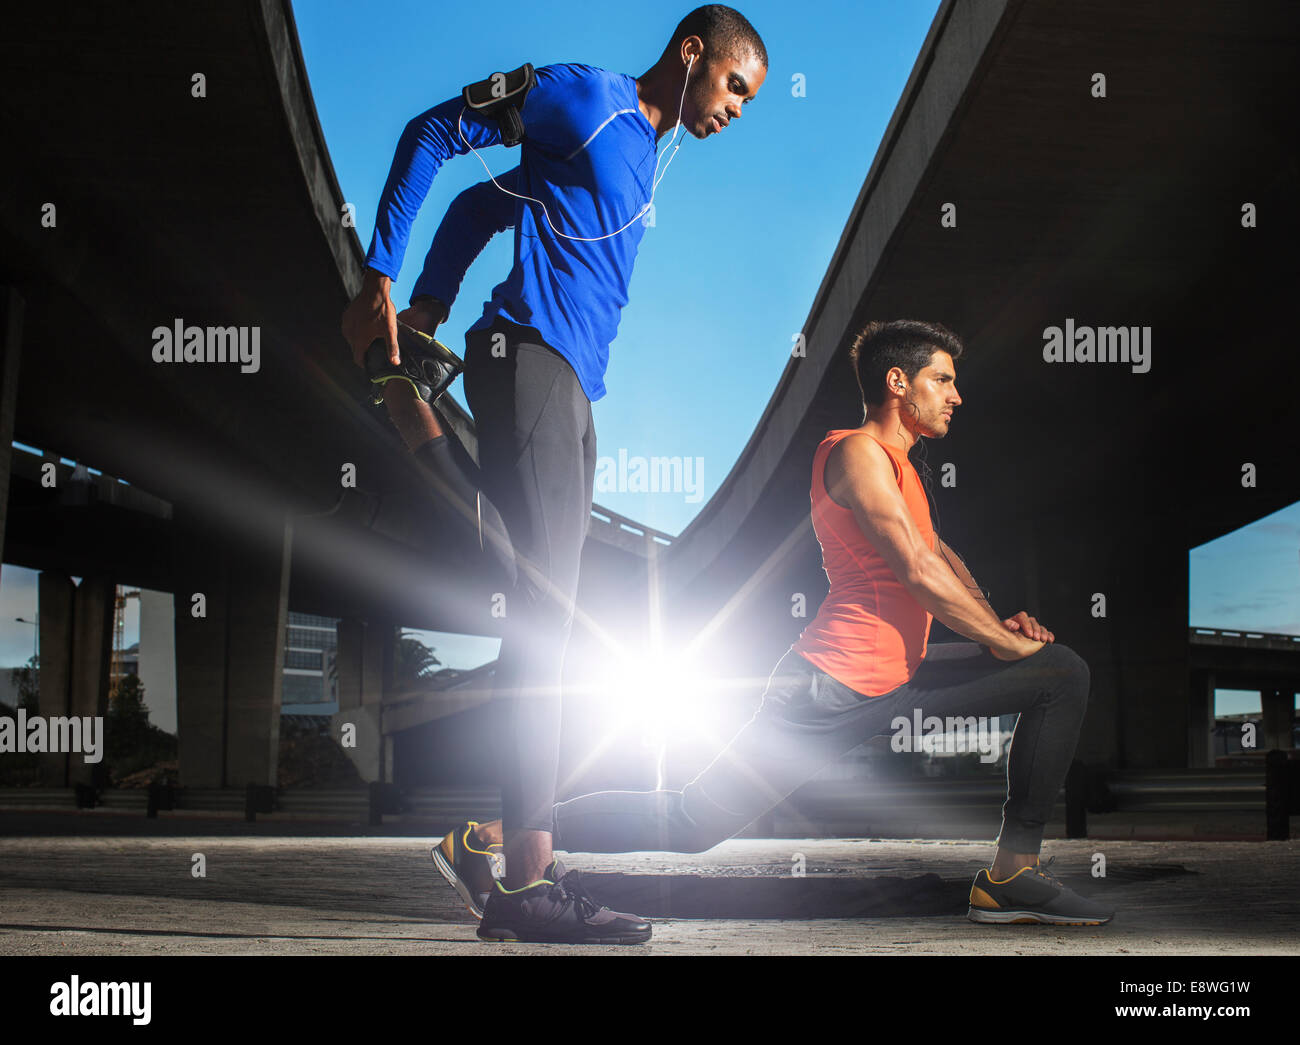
x=156, y=657
x=309, y=686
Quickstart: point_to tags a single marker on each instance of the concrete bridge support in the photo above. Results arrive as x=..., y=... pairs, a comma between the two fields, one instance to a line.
x=11, y=329
x=1277, y=707
x=231, y=614
x=76, y=641
x=92, y=647
x=365, y=667
x=55, y=595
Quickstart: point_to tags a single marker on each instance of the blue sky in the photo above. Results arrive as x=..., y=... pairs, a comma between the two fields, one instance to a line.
x=1249, y=580
x=745, y=221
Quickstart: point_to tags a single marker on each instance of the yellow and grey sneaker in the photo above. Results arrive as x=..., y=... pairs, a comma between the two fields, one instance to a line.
x=557, y=909
x=468, y=865
x=1032, y=895
x=427, y=365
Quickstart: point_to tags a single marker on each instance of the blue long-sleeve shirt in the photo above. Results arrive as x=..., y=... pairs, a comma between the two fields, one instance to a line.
x=588, y=154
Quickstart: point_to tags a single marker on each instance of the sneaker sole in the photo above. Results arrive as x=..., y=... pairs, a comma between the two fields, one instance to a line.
x=437, y=353
x=987, y=917
x=432, y=349
x=454, y=880
x=510, y=936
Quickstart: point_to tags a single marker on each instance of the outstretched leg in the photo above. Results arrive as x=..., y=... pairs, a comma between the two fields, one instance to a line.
x=808, y=719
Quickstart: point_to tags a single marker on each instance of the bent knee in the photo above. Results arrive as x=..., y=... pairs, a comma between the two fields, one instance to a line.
x=1070, y=668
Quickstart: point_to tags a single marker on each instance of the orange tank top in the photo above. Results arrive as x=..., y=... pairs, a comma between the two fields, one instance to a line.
x=869, y=633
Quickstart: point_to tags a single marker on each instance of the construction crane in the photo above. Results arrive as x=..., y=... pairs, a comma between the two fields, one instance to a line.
x=116, y=668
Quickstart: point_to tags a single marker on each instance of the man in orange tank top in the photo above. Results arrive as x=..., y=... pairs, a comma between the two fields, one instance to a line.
x=865, y=660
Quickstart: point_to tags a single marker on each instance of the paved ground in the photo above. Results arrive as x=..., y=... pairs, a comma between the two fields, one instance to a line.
x=117, y=894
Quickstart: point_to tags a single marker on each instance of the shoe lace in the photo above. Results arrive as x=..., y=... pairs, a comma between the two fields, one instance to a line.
x=1043, y=870
x=571, y=887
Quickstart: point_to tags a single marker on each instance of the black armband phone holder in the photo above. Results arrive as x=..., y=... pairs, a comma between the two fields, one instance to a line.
x=501, y=96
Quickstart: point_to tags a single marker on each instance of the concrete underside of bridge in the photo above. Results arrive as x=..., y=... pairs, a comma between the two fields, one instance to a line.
x=1069, y=481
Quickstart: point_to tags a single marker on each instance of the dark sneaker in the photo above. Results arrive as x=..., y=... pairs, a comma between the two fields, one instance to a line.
x=1032, y=894
x=427, y=365
x=557, y=909
x=462, y=859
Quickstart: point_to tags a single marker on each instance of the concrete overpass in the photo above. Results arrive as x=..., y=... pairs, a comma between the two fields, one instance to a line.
x=1071, y=480
x=1223, y=659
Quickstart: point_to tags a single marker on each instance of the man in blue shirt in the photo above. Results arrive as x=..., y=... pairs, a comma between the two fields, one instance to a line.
x=534, y=362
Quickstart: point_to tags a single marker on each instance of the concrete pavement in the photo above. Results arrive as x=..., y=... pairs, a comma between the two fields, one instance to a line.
x=115, y=894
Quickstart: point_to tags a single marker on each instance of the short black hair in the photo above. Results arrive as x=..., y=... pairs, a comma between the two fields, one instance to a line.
x=725, y=31
x=904, y=343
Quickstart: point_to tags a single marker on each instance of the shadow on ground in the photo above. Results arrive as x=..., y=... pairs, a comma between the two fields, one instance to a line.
x=817, y=896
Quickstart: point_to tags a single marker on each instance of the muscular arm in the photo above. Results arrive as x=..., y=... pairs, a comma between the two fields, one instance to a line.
x=964, y=575
x=1022, y=622
x=860, y=476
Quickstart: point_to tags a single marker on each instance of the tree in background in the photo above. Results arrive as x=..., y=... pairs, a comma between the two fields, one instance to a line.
x=131, y=742
x=27, y=680
x=22, y=768
x=413, y=663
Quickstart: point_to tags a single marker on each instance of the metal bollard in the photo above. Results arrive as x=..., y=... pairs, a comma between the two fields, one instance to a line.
x=161, y=796
x=1076, y=801
x=1277, y=796
x=85, y=796
x=259, y=798
x=384, y=798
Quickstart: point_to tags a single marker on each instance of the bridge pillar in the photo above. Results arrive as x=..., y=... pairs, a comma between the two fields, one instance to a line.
x=92, y=647
x=348, y=661
x=1277, y=713
x=11, y=315
x=365, y=655
x=55, y=595
x=1200, y=720
x=1147, y=626
x=201, y=597
x=363, y=659
x=1138, y=709
x=229, y=651
x=259, y=590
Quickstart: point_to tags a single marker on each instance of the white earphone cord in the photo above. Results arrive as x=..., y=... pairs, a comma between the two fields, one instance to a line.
x=654, y=187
